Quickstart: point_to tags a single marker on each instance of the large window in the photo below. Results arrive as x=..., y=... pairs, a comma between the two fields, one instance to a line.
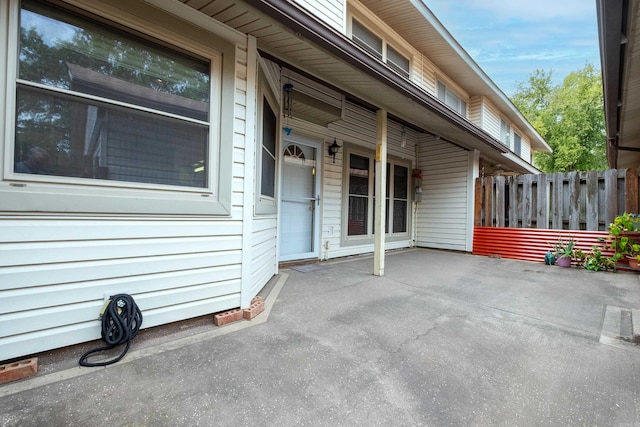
x=361, y=196
x=108, y=118
x=379, y=48
x=96, y=103
x=452, y=100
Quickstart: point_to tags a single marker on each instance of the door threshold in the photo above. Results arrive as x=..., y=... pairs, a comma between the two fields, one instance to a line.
x=287, y=264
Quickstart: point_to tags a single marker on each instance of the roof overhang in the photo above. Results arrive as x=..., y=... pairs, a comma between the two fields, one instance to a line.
x=620, y=60
x=291, y=35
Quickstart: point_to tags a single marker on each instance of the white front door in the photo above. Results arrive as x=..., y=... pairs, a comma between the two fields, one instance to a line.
x=300, y=203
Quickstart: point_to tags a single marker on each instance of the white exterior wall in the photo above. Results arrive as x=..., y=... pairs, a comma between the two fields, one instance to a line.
x=56, y=269
x=443, y=213
x=490, y=119
x=358, y=128
x=476, y=110
x=491, y=123
x=526, y=149
x=331, y=12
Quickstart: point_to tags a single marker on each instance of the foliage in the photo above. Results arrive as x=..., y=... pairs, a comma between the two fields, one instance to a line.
x=596, y=261
x=624, y=222
x=564, y=248
x=570, y=117
x=620, y=242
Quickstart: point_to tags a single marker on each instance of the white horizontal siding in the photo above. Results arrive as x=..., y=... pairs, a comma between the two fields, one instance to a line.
x=442, y=213
x=331, y=12
x=424, y=73
x=331, y=207
x=357, y=128
x=526, y=150
x=55, y=271
x=49, y=286
x=263, y=252
x=475, y=111
x=490, y=119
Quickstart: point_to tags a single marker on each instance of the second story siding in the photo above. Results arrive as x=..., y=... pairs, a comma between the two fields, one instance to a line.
x=331, y=12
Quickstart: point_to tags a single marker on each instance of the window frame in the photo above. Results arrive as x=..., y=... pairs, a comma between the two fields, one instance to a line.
x=505, y=133
x=264, y=204
x=47, y=193
x=382, y=56
x=460, y=100
x=369, y=236
x=517, y=143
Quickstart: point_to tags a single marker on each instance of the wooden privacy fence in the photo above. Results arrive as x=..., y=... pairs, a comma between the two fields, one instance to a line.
x=560, y=201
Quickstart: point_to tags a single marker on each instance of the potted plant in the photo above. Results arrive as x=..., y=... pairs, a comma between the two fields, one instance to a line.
x=624, y=235
x=625, y=225
x=564, y=251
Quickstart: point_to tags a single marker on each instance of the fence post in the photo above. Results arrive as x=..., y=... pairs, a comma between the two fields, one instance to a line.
x=556, y=200
x=488, y=201
x=574, y=201
x=477, y=203
x=513, y=202
x=631, y=191
x=500, y=201
x=610, y=196
x=527, y=208
x=542, y=205
x=592, y=201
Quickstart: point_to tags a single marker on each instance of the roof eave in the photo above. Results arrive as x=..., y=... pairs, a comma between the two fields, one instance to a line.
x=301, y=22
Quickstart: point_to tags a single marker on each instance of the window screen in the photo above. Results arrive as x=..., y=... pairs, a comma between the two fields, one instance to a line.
x=366, y=39
x=94, y=102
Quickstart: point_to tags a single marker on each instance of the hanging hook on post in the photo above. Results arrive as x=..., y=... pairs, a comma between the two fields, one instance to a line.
x=288, y=105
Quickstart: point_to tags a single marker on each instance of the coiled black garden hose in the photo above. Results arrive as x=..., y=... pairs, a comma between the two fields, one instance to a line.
x=120, y=324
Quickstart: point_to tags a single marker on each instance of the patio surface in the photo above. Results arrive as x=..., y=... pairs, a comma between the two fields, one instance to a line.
x=442, y=339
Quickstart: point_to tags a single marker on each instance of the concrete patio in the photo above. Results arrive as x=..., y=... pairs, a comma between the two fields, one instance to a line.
x=442, y=339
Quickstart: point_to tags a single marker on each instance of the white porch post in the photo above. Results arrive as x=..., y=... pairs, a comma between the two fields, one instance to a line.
x=249, y=163
x=381, y=196
x=473, y=173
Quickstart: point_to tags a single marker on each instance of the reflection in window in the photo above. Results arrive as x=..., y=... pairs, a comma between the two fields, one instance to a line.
x=104, y=104
x=362, y=198
x=269, y=135
x=452, y=100
x=358, y=195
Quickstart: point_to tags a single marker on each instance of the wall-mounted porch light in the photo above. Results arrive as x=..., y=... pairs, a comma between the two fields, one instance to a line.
x=333, y=149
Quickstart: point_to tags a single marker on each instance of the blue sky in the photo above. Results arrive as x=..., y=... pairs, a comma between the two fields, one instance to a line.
x=510, y=39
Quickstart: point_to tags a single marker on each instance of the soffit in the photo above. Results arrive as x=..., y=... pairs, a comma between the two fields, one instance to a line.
x=281, y=42
x=630, y=109
x=416, y=24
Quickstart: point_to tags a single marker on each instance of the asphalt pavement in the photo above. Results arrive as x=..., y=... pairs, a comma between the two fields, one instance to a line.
x=441, y=339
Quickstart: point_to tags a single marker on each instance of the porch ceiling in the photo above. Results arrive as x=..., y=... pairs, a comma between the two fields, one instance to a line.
x=619, y=34
x=324, y=54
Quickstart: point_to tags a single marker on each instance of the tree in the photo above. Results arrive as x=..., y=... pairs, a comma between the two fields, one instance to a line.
x=570, y=117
